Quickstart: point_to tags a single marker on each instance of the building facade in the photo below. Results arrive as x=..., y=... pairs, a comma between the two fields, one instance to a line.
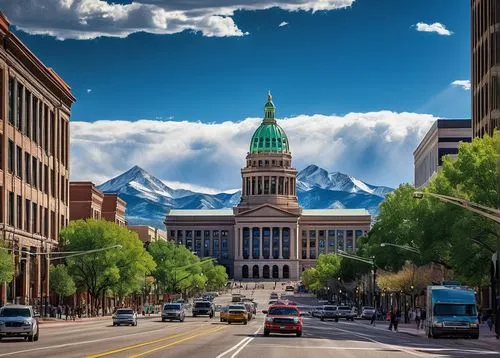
x=88, y=202
x=34, y=167
x=485, y=66
x=267, y=235
x=148, y=234
x=441, y=139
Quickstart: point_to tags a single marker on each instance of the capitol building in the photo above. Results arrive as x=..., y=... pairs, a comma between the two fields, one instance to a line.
x=267, y=235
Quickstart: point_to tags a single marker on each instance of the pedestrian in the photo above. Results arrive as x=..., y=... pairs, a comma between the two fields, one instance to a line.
x=59, y=311
x=392, y=318
x=497, y=324
x=397, y=320
x=423, y=316
x=374, y=317
x=489, y=322
x=417, y=317
x=66, y=311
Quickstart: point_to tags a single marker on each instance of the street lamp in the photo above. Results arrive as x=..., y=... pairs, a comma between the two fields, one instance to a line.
x=403, y=247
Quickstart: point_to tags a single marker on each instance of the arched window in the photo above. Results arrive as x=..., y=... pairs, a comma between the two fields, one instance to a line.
x=276, y=271
x=265, y=271
x=286, y=271
x=255, y=271
x=244, y=271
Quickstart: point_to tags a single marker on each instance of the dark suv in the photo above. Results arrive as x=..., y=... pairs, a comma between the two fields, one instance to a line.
x=203, y=308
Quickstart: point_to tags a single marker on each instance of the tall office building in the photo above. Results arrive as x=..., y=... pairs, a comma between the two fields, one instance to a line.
x=485, y=62
x=35, y=106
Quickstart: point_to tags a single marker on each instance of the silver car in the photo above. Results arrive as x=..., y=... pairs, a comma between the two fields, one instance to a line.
x=19, y=321
x=125, y=316
x=173, y=311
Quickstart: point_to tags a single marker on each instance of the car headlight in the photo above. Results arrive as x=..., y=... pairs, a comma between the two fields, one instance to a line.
x=269, y=319
x=27, y=323
x=437, y=324
x=473, y=325
x=296, y=320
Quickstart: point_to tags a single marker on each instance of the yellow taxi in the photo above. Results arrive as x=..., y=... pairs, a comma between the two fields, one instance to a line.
x=237, y=313
x=224, y=313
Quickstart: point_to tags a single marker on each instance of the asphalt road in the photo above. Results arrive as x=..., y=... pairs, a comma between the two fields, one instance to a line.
x=202, y=337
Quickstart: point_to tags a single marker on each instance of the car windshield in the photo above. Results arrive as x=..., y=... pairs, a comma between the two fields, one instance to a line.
x=329, y=308
x=344, y=308
x=15, y=312
x=368, y=308
x=237, y=311
x=172, y=307
x=447, y=309
x=202, y=304
x=236, y=308
x=283, y=311
x=124, y=312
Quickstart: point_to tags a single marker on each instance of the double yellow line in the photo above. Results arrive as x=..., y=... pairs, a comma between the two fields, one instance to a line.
x=185, y=336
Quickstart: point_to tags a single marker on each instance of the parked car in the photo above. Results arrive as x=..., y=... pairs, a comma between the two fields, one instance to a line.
x=236, y=297
x=19, y=321
x=173, y=311
x=283, y=319
x=289, y=289
x=345, y=312
x=224, y=313
x=274, y=296
x=328, y=312
x=203, y=308
x=367, y=312
x=317, y=311
x=237, y=313
x=125, y=316
x=250, y=308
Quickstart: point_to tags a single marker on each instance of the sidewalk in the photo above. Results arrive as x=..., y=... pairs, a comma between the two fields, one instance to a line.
x=486, y=337
x=62, y=322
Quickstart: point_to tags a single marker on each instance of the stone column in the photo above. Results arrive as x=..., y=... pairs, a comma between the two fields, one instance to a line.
x=26, y=279
x=261, y=239
x=37, y=274
x=308, y=247
x=280, y=237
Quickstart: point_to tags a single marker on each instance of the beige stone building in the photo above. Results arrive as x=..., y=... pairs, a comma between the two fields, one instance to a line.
x=148, y=234
x=267, y=235
x=35, y=106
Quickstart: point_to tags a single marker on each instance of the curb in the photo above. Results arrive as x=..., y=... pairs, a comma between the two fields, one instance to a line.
x=85, y=320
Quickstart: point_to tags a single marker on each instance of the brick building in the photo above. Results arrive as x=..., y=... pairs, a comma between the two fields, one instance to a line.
x=35, y=107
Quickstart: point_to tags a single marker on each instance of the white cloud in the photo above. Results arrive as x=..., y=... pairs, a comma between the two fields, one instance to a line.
x=89, y=19
x=283, y=23
x=88, y=89
x=376, y=147
x=465, y=84
x=435, y=27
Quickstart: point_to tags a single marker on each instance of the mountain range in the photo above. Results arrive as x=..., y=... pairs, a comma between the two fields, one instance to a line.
x=148, y=198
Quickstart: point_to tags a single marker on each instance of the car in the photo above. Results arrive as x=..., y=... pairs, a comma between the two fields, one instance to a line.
x=317, y=311
x=367, y=312
x=272, y=302
x=173, y=311
x=289, y=289
x=282, y=319
x=273, y=296
x=224, y=313
x=328, y=312
x=124, y=316
x=304, y=310
x=236, y=297
x=345, y=312
x=250, y=308
x=19, y=321
x=237, y=313
x=203, y=308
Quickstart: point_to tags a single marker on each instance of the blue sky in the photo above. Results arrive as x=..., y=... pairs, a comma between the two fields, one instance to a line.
x=365, y=58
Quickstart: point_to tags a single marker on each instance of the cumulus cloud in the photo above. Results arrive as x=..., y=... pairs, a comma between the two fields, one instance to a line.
x=89, y=19
x=376, y=147
x=435, y=27
x=465, y=84
x=283, y=23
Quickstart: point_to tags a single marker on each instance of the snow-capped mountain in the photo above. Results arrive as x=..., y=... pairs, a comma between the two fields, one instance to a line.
x=148, y=198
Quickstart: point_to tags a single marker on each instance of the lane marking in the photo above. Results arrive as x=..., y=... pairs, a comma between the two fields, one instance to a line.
x=178, y=341
x=244, y=341
x=138, y=345
x=64, y=345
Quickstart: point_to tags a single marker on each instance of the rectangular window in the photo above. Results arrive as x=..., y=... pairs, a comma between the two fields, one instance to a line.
x=52, y=183
x=46, y=128
x=27, y=167
x=10, y=209
x=331, y=240
x=46, y=179
x=46, y=222
x=52, y=133
x=19, y=212
x=11, y=160
x=27, y=105
x=41, y=106
x=35, y=119
x=215, y=249
x=12, y=103
x=34, y=166
x=35, y=218
x=19, y=161
x=20, y=113
x=27, y=215
x=52, y=225
x=62, y=197
x=224, y=249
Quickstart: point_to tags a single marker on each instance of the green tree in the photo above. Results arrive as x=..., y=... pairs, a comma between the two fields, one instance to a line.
x=310, y=279
x=216, y=275
x=61, y=282
x=6, y=265
x=327, y=267
x=117, y=268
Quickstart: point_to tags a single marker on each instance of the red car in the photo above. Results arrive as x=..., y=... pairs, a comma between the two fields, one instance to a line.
x=282, y=319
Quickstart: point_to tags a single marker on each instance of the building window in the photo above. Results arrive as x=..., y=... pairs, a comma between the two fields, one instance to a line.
x=246, y=243
x=19, y=123
x=276, y=242
x=52, y=225
x=266, y=242
x=35, y=119
x=27, y=167
x=215, y=249
x=19, y=161
x=46, y=222
x=340, y=240
x=46, y=179
x=52, y=183
x=312, y=244
x=46, y=128
x=244, y=271
x=255, y=243
x=189, y=240
x=286, y=243
x=349, y=240
x=12, y=93
x=40, y=176
x=35, y=218
x=10, y=209
x=304, y=244
x=19, y=212
x=224, y=247
x=27, y=101
x=331, y=240
x=52, y=133
x=321, y=242
x=27, y=215
x=206, y=243
x=34, y=166
x=197, y=242
x=11, y=160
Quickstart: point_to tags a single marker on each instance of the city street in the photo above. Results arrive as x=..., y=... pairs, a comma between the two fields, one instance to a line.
x=209, y=338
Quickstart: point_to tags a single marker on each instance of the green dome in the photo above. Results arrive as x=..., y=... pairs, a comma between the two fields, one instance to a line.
x=269, y=137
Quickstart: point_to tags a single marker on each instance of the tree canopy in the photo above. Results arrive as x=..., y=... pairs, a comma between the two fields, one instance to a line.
x=61, y=282
x=6, y=265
